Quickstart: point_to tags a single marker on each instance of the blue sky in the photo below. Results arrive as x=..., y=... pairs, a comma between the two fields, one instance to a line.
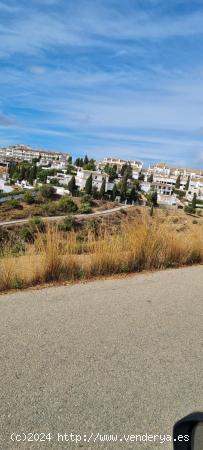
x=104, y=77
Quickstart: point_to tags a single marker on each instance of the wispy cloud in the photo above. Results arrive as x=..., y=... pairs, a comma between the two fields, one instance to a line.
x=103, y=76
x=6, y=121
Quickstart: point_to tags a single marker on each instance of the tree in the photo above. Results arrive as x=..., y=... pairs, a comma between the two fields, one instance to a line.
x=88, y=185
x=194, y=202
x=22, y=172
x=72, y=185
x=187, y=184
x=42, y=175
x=70, y=159
x=114, y=193
x=134, y=194
x=128, y=172
x=95, y=193
x=141, y=177
x=123, y=169
x=177, y=185
x=152, y=198
x=136, y=183
x=150, y=178
x=86, y=160
x=90, y=165
x=111, y=172
x=79, y=162
x=32, y=174
x=70, y=169
x=103, y=188
x=123, y=188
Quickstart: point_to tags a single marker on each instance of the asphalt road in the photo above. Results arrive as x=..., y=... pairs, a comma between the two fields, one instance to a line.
x=108, y=357
x=59, y=218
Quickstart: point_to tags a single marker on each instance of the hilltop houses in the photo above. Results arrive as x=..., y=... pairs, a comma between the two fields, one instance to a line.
x=175, y=186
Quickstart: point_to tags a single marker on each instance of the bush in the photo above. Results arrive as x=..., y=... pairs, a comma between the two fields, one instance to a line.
x=66, y=204
x=92, y=226
x=14, y=203
x=85, y=208
x=37, y=224
x=123, y=211
x=47, y=191
x=189, y=210
x=86, y=198
x=27, y=234
x=68, y=224
x=28, y=198
x=179, y=193
x=29, y=231
x=51, y=208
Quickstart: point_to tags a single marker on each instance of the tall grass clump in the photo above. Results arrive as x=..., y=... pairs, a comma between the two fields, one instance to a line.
x=145, y=243
x=57, y=261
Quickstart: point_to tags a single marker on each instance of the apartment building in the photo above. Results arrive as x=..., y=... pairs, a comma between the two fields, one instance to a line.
x=160, y=169
x=170, y=171
x=120, y=163
x=170, y=181
x=26, y=153
x=97, y=179
x=162, y=187
x=195, y=187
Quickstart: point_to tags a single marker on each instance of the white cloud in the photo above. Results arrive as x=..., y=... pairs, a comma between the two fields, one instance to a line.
x=33, y=31
x=38, y=70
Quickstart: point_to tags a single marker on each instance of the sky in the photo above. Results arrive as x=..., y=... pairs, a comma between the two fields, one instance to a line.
x=121, y=78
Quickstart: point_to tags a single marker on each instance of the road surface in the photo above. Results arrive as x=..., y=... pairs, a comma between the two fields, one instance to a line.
x=59, y=218
x=121, y=356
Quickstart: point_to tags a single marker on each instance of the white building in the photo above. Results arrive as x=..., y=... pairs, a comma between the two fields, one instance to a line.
x=26, y=153
x=169, y=181
x=162, y=188
x=160, y=169
x=145, y=186
x=60, y=177
x=195, y=187
x=120, y=163
x=168, y=200
x=97, y=179
x=135, y=173
x=167, y=170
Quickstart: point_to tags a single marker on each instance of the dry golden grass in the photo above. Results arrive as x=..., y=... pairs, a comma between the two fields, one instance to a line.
x=143, y=243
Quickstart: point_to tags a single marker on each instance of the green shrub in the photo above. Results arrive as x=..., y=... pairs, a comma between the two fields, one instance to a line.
x=85, y=208
x=47, y=191
x=27, y=234
x=179, y=193
x=29, y=231
x=92, y=225
x=189, y=210
x=68, y=224
x=14, y=203
x=37, y=224
x=28, y=198
x=51, y=208
x=66, y=204
x=18, y=283
x=86, y=198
